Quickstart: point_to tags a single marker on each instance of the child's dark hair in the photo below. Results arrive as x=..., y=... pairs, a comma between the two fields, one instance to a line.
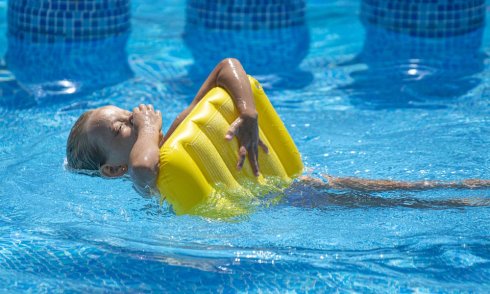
x=81, y=153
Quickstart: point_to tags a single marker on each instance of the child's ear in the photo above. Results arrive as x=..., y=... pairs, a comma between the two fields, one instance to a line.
x=112, y=171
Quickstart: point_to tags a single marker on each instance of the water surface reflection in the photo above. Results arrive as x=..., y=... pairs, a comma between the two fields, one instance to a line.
x=270, y=39
x=418, y=54
x=58, y=48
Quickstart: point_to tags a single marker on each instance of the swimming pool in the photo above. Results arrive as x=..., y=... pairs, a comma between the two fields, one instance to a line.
x=353, y=110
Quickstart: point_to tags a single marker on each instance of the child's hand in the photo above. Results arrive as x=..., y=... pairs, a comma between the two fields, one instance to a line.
x=246, y=129
x=146, y=119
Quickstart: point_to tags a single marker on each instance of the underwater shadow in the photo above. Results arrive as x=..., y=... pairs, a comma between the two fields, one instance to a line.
x=270, y=40
x=308, y=196
x=61, y=51
x=417, y=55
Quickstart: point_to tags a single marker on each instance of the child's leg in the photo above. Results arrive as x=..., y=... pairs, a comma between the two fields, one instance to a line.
x=356, y=193
x=389, y=185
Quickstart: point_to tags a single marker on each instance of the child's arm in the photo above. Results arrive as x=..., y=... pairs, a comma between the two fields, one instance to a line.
x=230, y=75
x=365, y=185
x=145, y=155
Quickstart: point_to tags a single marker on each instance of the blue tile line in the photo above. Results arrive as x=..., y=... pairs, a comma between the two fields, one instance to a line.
x=425, y=18
x=48, y=21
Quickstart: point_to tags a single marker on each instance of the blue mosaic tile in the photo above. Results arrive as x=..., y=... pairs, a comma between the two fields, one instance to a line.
x=267, y=36
x=48, y=21
x=82, y=43
x=246, y=14
x=425, y=18
x=88, y=65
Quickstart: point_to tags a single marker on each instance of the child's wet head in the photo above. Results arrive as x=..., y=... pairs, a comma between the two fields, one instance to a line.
x=81, y=154
x=102, y=139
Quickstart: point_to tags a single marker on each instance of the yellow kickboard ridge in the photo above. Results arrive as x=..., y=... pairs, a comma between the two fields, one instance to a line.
x=198, y=172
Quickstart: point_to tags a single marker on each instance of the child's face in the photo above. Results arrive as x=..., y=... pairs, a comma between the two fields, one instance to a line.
x=111, y=128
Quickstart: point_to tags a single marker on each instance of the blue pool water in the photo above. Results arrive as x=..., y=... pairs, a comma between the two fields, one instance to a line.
x=358, y=100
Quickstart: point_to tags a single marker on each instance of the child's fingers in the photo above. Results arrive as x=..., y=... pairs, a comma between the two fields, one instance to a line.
x=232, y=131
x=264, y=147
x=148, y=108
x=242, y=153
x=252, y=158
x=229, y=135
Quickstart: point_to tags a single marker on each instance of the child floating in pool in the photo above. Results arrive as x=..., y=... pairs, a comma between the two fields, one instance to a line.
x=115, y=142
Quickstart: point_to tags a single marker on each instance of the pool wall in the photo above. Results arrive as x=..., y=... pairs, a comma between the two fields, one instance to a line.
x=421, y=28
x=433, y=19
x=267, y=37
x=63, y=47
x=423, y=48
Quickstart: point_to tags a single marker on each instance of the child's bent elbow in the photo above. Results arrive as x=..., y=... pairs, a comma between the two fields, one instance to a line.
x=144, y=176
x=145, y=169
x=230, y=61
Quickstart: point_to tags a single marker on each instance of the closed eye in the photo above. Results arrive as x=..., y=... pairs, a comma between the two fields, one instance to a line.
x=118, y=130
